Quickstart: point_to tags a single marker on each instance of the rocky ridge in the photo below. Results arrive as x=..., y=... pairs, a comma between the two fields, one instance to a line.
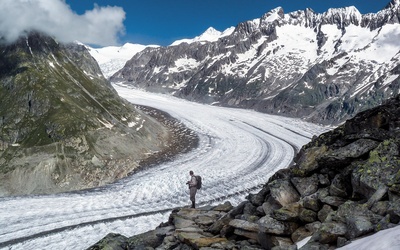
x=63, y=127
x=343, y=185
x=323, y=67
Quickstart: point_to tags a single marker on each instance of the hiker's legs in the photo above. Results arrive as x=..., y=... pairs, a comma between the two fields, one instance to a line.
x=193, y=196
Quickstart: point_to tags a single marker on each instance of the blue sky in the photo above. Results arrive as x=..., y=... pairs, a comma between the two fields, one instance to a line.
x=164, y=21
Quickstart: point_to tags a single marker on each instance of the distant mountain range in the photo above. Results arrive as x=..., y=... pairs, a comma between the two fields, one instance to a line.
x=321, y=67
x=113, y=58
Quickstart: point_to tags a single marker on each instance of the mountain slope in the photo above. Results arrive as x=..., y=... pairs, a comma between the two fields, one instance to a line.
x=63, y=126
x=324, y=67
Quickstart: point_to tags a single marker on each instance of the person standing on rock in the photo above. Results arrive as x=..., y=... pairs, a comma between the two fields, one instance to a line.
x=193, y=188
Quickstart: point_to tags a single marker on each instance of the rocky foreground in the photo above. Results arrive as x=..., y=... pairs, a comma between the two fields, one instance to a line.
x=345, y=184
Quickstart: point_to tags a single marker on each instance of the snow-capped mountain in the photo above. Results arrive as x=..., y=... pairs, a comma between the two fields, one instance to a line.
x=322, y=66
x=113, y=58
x=210, y=35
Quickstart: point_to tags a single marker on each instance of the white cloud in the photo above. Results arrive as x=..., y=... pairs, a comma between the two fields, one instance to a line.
x=100, y=26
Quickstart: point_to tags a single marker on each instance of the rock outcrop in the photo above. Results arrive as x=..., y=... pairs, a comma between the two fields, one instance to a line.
x=344, y=184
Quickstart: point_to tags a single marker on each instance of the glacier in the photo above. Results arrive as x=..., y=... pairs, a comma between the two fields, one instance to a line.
x=238, y=151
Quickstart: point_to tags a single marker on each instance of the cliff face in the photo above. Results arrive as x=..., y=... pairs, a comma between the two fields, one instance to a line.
x=344, y=185
x=63, y=126
x=323, y=67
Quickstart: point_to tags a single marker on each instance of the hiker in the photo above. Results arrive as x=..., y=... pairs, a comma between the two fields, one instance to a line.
x=193, y=188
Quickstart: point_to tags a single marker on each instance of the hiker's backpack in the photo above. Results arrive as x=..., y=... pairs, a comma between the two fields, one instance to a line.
x=198, y=179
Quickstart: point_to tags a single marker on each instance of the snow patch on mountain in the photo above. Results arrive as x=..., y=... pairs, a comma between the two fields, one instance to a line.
x=113, y=58
x=210, y=35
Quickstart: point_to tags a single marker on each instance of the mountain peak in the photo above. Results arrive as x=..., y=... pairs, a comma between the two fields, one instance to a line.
x=273, y=15
x=393, y=4
x=351, y=10
x=210, y=35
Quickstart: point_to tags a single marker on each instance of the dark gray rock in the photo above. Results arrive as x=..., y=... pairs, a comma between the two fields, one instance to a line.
x=380, y=207
x=226, y=207
x=378, y=171
x=111, y=241
x=323, y=180
x=270, y=225
x=341, y=157
x=217, y=226
x=329, y=232
x=307, y=185
x=289, y=212
x=333, y=201
x=300, y=234
x=340, y=186
x=314, y=246
x=238, y=209
x=283, y=192
x=307, y=216
x=394, y=212
x=249, y=209
x=358, y=226
x=324, y=212
x=313, y=227
x=311, y=202
x=147, y=239
x=270, y=205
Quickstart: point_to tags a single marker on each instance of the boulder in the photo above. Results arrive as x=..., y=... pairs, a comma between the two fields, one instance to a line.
x=238, y=209
x=147, y=239
x=180, y=222
x=249, y=209
x=226, y=207
x=323, y=180
x=358, y=226
x=329, y=232
x=307, y=185
x=300, y=234
x=324, y=212
x=259, y=198
x=343, y=156
x=287, y=213
x=111, y=241
x=311, y=202
x=380, y=207
x=306, y=160
x=270, y=225
x=394, y=212
x=245, y=233
x=352, y=209
x=270, y=205
x=313, y=227
x=283, y=192
x=333, y=201
x=198, y=243
x=307, y=216
x=381, y=169
x=340, y=186
x=245, y=225
x=268, y=241
x=379, y=194
x=217, y=226
x=314, y=246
